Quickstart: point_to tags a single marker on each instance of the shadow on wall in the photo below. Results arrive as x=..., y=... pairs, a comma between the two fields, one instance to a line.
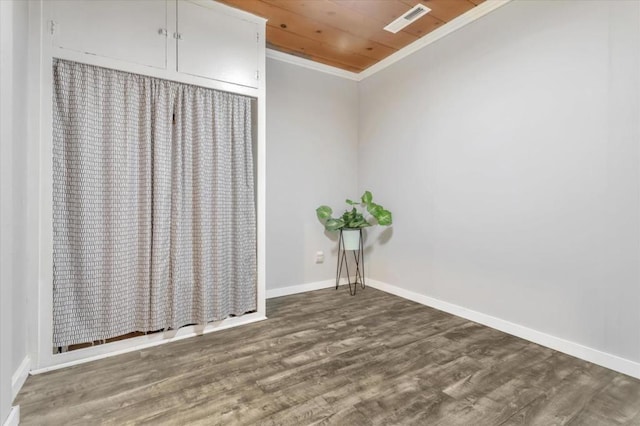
x=382, y=238
x=385, y=236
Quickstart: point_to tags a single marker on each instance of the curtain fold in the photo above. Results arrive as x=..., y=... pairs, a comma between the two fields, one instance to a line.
x=154, y=212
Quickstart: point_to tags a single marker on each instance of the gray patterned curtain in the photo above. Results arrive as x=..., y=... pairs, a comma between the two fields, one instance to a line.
x=153, y=199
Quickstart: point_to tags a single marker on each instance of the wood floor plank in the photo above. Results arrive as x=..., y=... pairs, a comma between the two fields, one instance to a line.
x=635, y=421
x=349, y=416
x=327, y=358
x=617, y=402
x=395, y=402
x=504, y=370
x=560, y=404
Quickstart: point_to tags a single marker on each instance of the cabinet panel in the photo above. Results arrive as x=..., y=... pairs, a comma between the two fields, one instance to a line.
x=216, y=45
x=127, y=30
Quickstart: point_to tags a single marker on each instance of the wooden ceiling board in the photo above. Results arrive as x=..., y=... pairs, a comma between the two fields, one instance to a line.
x=345, y=19
x=314, y=30
x=280, y=37
x=444, y=10
x=347, y=34
x=423, y=26
x=386, y=11
x=315, y=58
x=383, y=11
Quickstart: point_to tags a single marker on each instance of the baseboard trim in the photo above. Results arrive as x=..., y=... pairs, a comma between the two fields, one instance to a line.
x=604, y=359
x=20, y=376
x=13, y=419
x=302, y=288
x=72, y=358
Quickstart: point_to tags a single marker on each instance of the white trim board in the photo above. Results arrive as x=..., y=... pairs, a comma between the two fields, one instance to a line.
x=41, y=54
x=303, y=288
x=577, y=350
x=13, y=419
x=306, y=63
x=20, y=376
x=435, y=35
x=183, y=333
x=143, y=342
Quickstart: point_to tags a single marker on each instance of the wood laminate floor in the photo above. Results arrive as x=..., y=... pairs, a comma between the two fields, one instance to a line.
x=325, y=357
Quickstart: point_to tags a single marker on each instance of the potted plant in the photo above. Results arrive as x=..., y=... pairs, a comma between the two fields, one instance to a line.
x=353, y=220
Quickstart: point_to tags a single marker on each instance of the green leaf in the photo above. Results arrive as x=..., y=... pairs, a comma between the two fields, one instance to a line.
x=384, y=218
x=353, y=217
x=367, y=197
x=334, y=224
x=324, y=213
x=374, y=209
x=356, y=223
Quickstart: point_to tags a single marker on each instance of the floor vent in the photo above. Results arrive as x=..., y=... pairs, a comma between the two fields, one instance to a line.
x=412, y=15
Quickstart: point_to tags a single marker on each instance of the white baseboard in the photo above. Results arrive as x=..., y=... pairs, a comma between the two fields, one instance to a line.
x=577, y=350
x=301, y=288
x=13, y=419
x=20, y=376
x=107, y=350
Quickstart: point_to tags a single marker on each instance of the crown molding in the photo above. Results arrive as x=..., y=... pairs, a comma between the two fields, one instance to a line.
x=306, y=63
x=435, y=35
x=448, y=28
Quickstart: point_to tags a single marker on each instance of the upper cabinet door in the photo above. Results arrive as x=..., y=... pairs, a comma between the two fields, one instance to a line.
x=217, y=45
x=129, y=30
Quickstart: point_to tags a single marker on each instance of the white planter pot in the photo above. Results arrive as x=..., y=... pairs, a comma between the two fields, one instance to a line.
x=351, y=238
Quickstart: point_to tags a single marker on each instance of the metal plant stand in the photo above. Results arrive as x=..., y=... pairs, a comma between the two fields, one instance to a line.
x=358, y=256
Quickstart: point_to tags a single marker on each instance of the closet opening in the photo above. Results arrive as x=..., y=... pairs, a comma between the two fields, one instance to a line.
x=154, y=206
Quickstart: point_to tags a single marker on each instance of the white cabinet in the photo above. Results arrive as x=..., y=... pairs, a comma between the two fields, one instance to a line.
x=216, y=45
x=199, y=38
x=128, y=30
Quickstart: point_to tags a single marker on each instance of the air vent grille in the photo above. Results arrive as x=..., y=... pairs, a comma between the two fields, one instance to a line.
x=419, y=10
x=412, y=15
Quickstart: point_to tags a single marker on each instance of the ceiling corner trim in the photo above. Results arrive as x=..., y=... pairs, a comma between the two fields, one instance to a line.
x=306, y=63
x=451, y=26
x=448, y=28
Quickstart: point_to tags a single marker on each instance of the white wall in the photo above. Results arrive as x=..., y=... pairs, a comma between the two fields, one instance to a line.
x=312, y=134
x=24, y=189
x=15, y=237
x=508, y=152
x=6, y=149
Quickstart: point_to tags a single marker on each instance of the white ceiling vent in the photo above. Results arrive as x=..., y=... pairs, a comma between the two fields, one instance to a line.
x=413, y=14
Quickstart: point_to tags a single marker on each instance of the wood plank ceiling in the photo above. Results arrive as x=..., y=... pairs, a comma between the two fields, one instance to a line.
x=347, y=34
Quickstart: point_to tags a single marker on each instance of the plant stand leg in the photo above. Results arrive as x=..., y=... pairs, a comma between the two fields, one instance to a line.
x=358, y=277
x=362, y=257
x=358, y=256
x=340, y=259
x=346, y=265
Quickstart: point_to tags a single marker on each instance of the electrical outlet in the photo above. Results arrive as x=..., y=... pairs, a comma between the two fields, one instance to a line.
x=319, y=257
